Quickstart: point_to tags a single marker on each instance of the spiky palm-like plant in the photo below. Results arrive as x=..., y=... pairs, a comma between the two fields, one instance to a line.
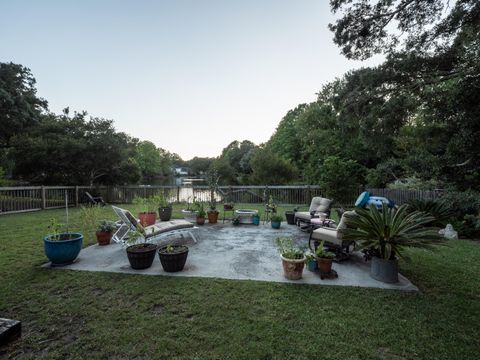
x=387, y=232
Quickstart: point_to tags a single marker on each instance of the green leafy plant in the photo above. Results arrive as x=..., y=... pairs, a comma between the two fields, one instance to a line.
x=106, y=226
x=386, y=232
x=276, y=218
x=309, y=256
x=212, y=181
x=147, y=205
x=173, y=249
x=440, y=210
x=89, y=219
x=322, y=253
x=287, y=248
x=55, y=229
x=161, y=201
x=200, y=209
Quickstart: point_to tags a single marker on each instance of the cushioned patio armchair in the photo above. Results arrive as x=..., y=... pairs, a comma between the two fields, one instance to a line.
x=318, y=205
x=333, y=237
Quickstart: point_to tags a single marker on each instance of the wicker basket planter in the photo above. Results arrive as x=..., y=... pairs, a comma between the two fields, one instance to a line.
x=173, y=257
x=141, y=256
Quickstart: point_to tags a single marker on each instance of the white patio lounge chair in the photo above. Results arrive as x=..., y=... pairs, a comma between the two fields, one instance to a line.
x=150, y=233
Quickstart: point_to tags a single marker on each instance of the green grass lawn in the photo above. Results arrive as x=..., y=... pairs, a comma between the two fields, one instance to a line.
x=85, y=315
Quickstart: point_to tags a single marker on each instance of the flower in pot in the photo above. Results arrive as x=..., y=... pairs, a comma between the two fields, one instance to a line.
x=105, y=231
x=293, y=258
x=164, y=207
x=140, y=254
x=384, y=233
x=200, y=214
x=276, y=221
x=148, y=212
x=173, y=257
x=61, y=248
x=324, y=259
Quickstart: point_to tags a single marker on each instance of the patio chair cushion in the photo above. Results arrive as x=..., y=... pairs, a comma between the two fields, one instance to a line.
x=320, y=204
x=343, y=222
x=326, y=234
x=303, y=215
x=166, y=226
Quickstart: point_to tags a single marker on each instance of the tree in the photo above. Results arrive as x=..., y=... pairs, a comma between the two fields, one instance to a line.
x=20, y=107
x=149, y=159
x=340, y=178
x=63, y=150
x=421, y=26
x=270, y=169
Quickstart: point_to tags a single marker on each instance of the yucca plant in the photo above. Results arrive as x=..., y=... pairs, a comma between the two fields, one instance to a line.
x=385, y=233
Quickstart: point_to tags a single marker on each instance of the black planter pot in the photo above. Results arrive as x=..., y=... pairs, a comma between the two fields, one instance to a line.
x=290, y=215
x=384, y=270
x=175, y=260
x=165, y=213
x=141, y=256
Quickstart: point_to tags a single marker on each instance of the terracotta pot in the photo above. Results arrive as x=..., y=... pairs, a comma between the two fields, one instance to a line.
x=104, y=237
x=200, y=220
x=147, y=219
x=324, y=265
x=212, y=217
x=293, y=268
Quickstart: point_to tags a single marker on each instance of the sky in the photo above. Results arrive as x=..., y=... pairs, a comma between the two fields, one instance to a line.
x=189, y=75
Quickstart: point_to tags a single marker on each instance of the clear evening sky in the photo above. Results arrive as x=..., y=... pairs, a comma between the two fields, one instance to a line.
x=190, y=76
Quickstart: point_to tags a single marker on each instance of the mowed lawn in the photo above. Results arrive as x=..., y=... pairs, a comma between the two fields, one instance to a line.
x=84, y=315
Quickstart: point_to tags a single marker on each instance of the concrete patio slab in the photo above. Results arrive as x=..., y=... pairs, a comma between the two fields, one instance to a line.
x=245, y=252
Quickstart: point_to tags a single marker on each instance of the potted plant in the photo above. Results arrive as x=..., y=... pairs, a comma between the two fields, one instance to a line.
x=164, y=208
x=173, y=257
x=324, y=259
x=290, y=216
x=256, y=219
x=190, y=214
x=384, y=233
x=293, y=258
x=311, y=261
x=200, y=214
x=212, y=180
x=105, y=231
x=148, y=213
x=140, y=255
x=61, y=248
x=212, y=213
x=276, y=221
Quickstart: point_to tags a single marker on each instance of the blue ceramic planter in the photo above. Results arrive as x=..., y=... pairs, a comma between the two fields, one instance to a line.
x=256, y=220
x=276, y=224
x=63, y=252
x=312, y=265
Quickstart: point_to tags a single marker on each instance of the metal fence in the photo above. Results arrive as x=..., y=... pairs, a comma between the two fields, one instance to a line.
x=32, y=198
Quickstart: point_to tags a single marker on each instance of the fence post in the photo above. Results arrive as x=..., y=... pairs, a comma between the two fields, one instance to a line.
x=76, y=196
x=178, y=194
x=44, y=200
